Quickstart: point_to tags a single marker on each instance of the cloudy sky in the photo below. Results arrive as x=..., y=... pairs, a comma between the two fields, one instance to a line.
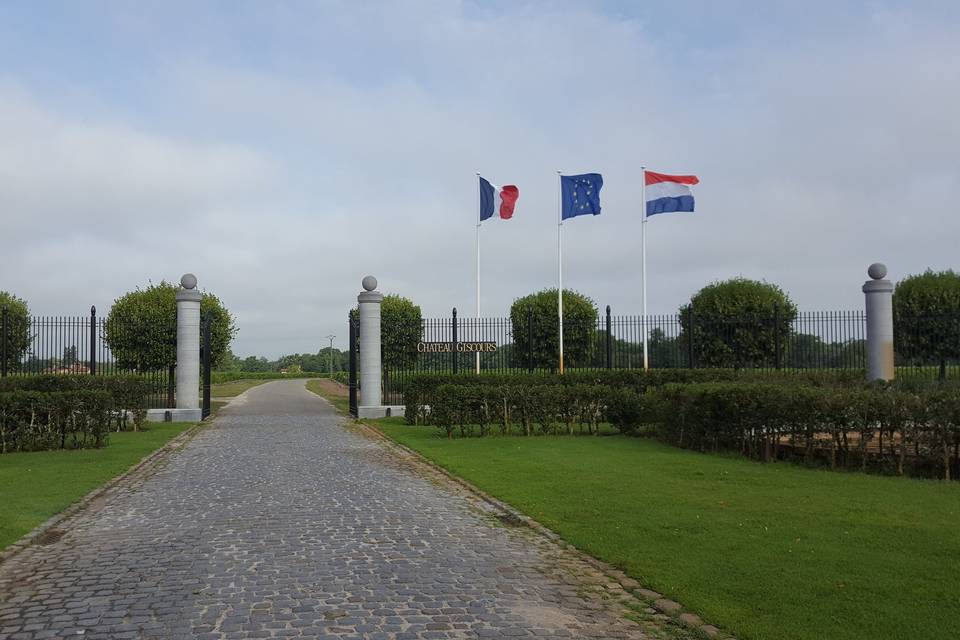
x=283, y=150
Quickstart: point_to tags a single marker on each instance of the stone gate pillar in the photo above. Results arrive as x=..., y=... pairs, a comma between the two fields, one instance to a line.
x=370, y=365
x=188, y=350
x=879, y=307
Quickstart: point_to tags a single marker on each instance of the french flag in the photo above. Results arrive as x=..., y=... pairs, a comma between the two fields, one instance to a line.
x=666, y=194
x=501, y=200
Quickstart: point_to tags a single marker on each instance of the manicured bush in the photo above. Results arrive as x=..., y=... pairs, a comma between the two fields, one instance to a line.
x=822, y=418
x=736, y=323
x=418, y=390
x=127, y=406
x=36, y=420
x=843, y=427
x=926, y=313
x=535, y=322
x=18, y=329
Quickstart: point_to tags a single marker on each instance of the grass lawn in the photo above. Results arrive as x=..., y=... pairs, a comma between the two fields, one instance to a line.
x=335, y=393
x=766, y=551
x=34, y=486
x=234, y=387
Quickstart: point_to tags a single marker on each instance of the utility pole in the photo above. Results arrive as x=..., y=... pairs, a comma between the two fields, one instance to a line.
x=330, y=353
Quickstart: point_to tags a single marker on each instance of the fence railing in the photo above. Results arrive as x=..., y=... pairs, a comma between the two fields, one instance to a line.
x=773, y=341
x=89, y=345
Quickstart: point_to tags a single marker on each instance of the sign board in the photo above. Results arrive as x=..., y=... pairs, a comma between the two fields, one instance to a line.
x=459, y=347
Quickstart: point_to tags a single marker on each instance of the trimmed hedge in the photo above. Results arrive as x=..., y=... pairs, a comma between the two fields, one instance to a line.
x=57, y=411
x=891, y=428
x=36, y=420
x=419, y=391
x=833, y=420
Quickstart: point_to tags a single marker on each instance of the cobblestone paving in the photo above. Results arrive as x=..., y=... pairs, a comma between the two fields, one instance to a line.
x=279, y=522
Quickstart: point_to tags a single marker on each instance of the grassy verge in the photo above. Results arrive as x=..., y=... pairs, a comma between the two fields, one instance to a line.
x=37, y=485
x=767, y=551
x=334, y=393
x=234, y=388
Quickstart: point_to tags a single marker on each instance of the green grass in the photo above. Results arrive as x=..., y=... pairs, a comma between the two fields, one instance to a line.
x=37, y=485
x=766, y=551
x=234, y=388
x=340, y=402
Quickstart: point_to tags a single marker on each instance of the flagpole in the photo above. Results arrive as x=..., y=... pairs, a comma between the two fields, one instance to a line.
x=643, y=263
x=560, y=263
x=477, y=360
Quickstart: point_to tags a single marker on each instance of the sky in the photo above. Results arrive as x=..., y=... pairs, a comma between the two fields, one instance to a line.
x=283, y=150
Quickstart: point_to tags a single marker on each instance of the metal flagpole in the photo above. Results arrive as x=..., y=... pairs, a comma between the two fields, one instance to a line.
x=643, y=263
x=560, y=263
x=478, y=270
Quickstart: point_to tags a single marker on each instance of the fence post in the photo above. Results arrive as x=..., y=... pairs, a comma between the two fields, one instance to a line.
x=879, y=307
x=530, y=339
x=690, y=358
x=206, y=364
x=371, y=355
x=609, y=342
x=188, y=350
x=454, y=353
x=93, y=340
x=776, y=334
x=3, y=343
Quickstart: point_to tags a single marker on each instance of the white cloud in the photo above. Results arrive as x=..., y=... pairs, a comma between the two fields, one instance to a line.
x=282, y=184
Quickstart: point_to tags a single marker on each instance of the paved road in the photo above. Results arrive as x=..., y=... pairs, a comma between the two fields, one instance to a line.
x=278, y=521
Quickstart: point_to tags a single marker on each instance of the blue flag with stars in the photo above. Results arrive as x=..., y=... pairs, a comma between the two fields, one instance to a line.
x=580, y=195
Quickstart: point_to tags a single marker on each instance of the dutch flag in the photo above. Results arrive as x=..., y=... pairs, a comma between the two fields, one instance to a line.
x=494, y=199
x=667, y=194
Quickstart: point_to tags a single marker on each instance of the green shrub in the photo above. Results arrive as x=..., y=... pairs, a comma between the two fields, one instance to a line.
x=736, y=323
x=128, y=394
x=36, y=420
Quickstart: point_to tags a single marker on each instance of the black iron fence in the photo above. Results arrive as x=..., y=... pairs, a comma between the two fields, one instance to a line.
x=89, y=345
x=527, y=342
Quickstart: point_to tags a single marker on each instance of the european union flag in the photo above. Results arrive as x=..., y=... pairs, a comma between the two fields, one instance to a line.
x=580, y=194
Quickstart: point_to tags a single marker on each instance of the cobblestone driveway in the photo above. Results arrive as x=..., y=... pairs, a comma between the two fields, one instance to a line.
x=276, y=522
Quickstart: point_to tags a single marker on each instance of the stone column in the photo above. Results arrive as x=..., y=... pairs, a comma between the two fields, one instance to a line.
x=370, y=365
x=879, y=306
x=188, y=348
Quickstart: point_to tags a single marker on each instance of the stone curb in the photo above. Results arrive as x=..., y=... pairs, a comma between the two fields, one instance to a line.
x=654, y=599
x=144, y=465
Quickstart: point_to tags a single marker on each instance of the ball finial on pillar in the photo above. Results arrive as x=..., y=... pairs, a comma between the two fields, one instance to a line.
x=369, y=283
x=877, y=271
x=188, y=281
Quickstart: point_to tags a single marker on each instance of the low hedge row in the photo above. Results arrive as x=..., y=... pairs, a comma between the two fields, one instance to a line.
x=419, y=391
x=896, y=428
x=58, y=411
x=36, y=420
x=527, y=409
x=885, y=427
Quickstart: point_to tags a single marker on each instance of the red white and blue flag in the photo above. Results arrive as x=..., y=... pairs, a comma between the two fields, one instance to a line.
x=667, y=194
x=499, y=200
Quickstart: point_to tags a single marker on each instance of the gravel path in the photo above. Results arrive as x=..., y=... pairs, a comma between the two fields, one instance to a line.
x=279, y=521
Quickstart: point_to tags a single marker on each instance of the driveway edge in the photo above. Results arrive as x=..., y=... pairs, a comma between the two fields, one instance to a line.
x=141, y=467
x=652, y=598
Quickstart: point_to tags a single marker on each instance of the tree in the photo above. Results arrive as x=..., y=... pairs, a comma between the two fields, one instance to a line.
x=18, y=328
x=401, y=327
x=540, y=335
x=926, y=318
x=737, y=323
x=141, y=328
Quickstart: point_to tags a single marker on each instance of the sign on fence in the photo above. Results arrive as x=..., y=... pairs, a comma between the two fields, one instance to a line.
x=461, y=347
